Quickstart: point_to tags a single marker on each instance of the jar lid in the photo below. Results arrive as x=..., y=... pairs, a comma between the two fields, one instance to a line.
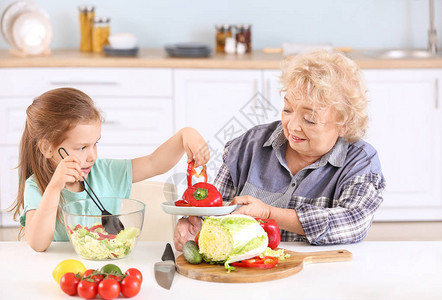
x=101, y=20
x=86, y=8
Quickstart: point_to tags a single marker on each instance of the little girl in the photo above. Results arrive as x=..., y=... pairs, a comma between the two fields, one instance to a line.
x=67, y=118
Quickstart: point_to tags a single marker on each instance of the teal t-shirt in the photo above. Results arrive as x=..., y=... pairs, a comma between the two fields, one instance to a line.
x=108, y=178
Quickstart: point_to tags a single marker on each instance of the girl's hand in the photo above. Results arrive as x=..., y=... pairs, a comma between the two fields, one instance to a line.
x=67, y=171
x=195, y=146
x=251, y=206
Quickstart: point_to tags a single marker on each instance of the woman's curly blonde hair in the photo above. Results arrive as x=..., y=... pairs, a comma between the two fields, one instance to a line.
x=330, y=80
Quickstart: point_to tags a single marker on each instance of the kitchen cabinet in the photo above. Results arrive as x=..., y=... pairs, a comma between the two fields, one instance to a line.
x=136, y=105
x=406, y=128
x=143, y=107
x=222, y=105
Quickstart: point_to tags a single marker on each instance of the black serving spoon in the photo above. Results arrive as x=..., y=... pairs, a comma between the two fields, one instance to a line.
x=111, y=223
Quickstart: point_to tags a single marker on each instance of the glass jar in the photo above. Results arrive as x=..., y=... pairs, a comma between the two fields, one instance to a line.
x=100, y=34
x=223, y=31
x=244, y=36
x=86, y=16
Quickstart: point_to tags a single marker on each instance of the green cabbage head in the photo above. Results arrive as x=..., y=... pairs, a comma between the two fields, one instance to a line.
x=231, y=238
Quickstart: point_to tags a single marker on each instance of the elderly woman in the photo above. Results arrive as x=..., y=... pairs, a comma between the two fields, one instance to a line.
x=311, y=171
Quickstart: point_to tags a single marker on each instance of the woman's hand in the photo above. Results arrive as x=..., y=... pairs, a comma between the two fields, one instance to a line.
x=186, y=229
x=195, y=146
x=251, y=206
x=67, y=171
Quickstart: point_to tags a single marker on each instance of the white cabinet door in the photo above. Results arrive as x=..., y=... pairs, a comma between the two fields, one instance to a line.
x=137, y=105
x=272, y=88
x=8, y=183
x=221, y=105
x=406, y=129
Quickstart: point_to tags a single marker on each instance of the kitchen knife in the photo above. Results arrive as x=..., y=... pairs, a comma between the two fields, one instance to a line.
x=165, y=270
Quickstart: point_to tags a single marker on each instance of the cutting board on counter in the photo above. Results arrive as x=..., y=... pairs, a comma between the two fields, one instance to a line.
x=285, y=268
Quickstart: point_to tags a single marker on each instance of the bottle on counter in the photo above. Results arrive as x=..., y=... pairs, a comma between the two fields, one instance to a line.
x=244, y=36
x=100, y=34
x=223, y=32
x=86, y=16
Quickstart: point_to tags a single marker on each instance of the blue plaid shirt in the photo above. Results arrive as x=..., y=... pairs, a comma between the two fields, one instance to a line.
x=335, y=197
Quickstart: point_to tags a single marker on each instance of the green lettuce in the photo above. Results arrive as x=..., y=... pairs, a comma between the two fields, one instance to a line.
x=231, y=238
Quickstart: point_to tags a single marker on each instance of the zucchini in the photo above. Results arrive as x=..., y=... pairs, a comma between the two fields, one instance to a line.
x=192, y=253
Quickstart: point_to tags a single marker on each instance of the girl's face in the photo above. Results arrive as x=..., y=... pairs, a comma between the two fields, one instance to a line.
x=310, y=131
x=81, y=141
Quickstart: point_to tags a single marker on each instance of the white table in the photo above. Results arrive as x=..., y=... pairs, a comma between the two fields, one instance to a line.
x=379, y=270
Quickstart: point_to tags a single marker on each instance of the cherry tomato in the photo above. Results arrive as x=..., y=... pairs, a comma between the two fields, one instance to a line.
x=87, y=289
x=130, y=286
x=115, y=277
x=136, y=273
x=69, y=282
x=109, y=289
x=94, y=275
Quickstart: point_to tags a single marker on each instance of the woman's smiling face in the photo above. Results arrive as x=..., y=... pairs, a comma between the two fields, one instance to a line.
x=311, y=131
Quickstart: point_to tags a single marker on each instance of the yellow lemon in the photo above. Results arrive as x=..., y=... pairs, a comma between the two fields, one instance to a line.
x=68, y=265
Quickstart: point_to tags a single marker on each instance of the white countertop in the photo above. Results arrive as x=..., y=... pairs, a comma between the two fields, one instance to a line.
x=379, y=270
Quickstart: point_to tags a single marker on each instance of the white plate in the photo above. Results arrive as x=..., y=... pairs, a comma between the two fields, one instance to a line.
x=11, y=13
x=32, y=33
x=170, y=208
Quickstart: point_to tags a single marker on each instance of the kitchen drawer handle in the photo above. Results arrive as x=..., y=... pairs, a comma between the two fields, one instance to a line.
x=436, y=93
x=73, y=83
x=112, y=123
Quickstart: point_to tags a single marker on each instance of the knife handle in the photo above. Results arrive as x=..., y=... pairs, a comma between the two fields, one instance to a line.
x=168, y=253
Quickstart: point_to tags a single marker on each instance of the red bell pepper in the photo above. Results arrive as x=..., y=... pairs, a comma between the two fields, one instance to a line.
x=266, y=262
x=203, y=194
x=271, y=227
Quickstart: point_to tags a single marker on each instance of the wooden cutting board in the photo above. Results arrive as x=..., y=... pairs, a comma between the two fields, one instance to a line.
x=285, y=268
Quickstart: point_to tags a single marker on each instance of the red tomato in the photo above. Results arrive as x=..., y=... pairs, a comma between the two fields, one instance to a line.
x=136, y=273
x=109, y=289
x=115, y=277
x=69, y=282
x=87, y=289
x=96, y=277
x=130, y=286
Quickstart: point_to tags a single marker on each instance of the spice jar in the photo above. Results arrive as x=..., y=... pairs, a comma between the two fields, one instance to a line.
x=244, y=36
x=223, y=31
x=86, y=16
x=100, y=34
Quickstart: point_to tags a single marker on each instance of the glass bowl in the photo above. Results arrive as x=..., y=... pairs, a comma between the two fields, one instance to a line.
x=86, y=227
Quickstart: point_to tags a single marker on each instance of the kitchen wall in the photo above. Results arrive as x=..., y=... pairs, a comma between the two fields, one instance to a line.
x=355, y=23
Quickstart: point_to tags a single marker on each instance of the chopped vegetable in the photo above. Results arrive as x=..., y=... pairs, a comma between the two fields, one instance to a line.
x=95, y=243
x=231, y=238
x=266, y=262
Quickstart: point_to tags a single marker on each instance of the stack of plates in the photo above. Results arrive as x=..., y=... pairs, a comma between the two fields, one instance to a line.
x=26, y=28
x=188, y=50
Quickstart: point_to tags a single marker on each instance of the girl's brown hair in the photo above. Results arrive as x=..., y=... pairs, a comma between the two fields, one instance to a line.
x=48, y=118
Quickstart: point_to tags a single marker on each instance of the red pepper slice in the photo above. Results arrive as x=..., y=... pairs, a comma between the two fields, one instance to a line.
x=192, y=172
x=95, y=227
x=266, y=262
x=271, y=227
x=106, y=236
x=181, y=203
